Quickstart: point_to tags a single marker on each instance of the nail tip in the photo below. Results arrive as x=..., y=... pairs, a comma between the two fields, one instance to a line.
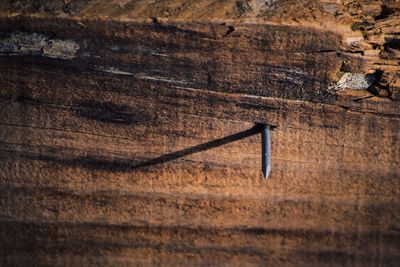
x=266, y=174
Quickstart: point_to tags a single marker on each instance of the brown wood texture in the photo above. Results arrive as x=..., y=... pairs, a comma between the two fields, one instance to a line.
x=129, y=133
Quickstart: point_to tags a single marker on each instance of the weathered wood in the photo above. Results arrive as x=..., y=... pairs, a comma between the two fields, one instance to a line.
x=128, y=133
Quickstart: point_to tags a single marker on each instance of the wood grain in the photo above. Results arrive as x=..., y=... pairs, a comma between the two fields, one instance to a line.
x=143, y=147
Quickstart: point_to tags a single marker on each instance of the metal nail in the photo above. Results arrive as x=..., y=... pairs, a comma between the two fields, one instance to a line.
x=266, y=150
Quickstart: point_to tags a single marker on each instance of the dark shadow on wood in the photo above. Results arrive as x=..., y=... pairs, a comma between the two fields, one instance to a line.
x=195, y=149
x=91, y=162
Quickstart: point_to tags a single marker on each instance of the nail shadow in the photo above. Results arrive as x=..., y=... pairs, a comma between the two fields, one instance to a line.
x=202, y=147
x=90, y=162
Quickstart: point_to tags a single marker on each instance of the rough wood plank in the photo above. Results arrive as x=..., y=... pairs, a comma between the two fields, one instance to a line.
x=128, y=133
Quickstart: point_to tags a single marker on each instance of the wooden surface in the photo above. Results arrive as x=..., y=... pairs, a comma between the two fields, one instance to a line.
x=129, y=133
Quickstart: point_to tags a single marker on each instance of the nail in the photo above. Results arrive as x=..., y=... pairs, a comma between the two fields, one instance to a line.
x=266, y=150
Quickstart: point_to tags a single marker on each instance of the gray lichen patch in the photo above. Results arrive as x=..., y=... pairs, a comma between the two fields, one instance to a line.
x=354, y=81
x=32, y=44
x=66, y=49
